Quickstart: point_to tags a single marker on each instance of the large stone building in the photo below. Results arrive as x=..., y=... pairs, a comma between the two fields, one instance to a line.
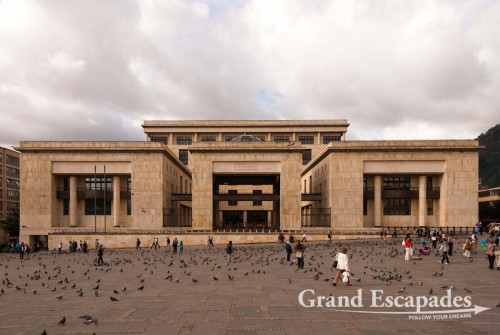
x=245, y=175
x=9, y=187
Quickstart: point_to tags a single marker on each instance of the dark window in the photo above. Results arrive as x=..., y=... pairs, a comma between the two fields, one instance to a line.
x=364, y=183
x=12, y=183
x=429, y=183
x=257, y=202
x=396, y=183
x=12, y=195
x=306, y=156
x=90, y=207
x=11, y=160
x=184, y=140
x=261, y=138
x=232, y=202
x=365, y=206
x=397, y=206
x=331, y=138
x=65, y=206
x=129, y=206
x=159, y=138
x=98, y=183
x=183, y=156
x=306, y=139
x=12, y=205
x=430, y=207
x=311, y=184
x=281, y=138
x=66, y=183
x=129, y=184
x=208, y=138
x=12, y=172
x=229, y=138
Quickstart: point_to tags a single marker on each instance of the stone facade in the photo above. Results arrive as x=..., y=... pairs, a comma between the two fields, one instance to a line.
x=150, y=188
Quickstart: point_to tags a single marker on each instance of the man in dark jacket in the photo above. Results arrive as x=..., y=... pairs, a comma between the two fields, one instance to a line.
x=289, y=251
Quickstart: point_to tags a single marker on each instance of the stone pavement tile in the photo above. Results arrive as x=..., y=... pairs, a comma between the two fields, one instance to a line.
x=243, y=311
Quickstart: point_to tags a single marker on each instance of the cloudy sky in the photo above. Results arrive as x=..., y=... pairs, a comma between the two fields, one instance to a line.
x=94, y=70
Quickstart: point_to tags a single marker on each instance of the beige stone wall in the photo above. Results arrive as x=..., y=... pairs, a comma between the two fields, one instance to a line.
x=455, y=171
x=151, y=168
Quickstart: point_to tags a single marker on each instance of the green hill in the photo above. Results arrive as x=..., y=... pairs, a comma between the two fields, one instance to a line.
x=489, y=157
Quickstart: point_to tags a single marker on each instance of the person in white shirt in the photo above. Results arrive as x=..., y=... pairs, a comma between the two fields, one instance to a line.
x=342, y=266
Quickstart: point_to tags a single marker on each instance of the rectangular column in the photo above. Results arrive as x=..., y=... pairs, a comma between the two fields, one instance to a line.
x=377, y=189
x=116, y=201
x=422, y=201
x=72, y=201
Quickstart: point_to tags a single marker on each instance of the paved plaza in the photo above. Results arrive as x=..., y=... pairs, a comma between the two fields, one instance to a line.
x=198, y=292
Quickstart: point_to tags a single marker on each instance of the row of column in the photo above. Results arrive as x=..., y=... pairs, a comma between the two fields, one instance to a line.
x=73, y=201
x=422, y=200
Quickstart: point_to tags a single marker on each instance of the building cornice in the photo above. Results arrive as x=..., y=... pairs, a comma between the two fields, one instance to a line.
x=394, y=146
x=101, y=147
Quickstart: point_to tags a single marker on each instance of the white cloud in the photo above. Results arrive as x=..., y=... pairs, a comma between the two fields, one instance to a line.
x=395, y=69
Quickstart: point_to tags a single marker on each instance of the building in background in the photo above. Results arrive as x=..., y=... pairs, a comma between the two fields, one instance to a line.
x=205, y=176
x=9, y=187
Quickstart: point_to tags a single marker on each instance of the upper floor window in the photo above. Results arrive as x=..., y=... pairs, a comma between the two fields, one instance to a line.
x=11, y=160
x=261, y=138
x=99, y=183
x=331, y=138
x=159, y=138
x=257, y=202
x=12, y=183
x=396, y=183
x=208, y=138
x=281, y=138
x=184, y=140
x=232, y=202
x=306, y=139
x=229, y=138
x=306, y=156
x=12, y=172
x=184, y=156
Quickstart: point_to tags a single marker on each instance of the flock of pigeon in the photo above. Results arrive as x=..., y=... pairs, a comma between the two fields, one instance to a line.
x=73, y=276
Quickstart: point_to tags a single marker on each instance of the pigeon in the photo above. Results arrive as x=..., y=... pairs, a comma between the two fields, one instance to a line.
x=194, y=280
x=87, y=319
x=62, y=322
x=215, y=278
x=430, y=291
x=113, y=298
x=44, y=332
x=141, y=288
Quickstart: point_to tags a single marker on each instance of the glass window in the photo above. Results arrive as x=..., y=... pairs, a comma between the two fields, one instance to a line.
x=208, y=138
x=129, y=206
x=184, y=140
x=306, y=139
x=129, y=184
x=11, y=160
x=12, y=205
x=12, y=183
x=430, y=207
x=281, y=138
x=261, y=138
x=159, y=138
x=365, y=206
x=232, y=202
x=397, y=206
x=257, y=202
x=306, y=156
x=12, y=172
x=91, y=208
x=229, y=138
x=183, y=156
x=396, y=183
x=65, y=183
x=429, y=183
x=331, y=138
x=98, y=183
x=65, y=206
x=12, y=195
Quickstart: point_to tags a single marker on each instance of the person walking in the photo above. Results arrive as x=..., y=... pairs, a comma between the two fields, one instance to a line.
x=59, y=248
x=289, y=250
x=174, y=245
x=299, y=253
x=329, y=237
x=181, y=247
x=85, y=247
x=451, y=241
x=153, y=244
x=229, y=251
x=434, y=240
x=490, y=252
x=100, y=253
x=138, y=244
x=304, y=238
x=168, y=242
x=96, y=244
x=467, y=248
x=444, y=248
x=342, y=266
